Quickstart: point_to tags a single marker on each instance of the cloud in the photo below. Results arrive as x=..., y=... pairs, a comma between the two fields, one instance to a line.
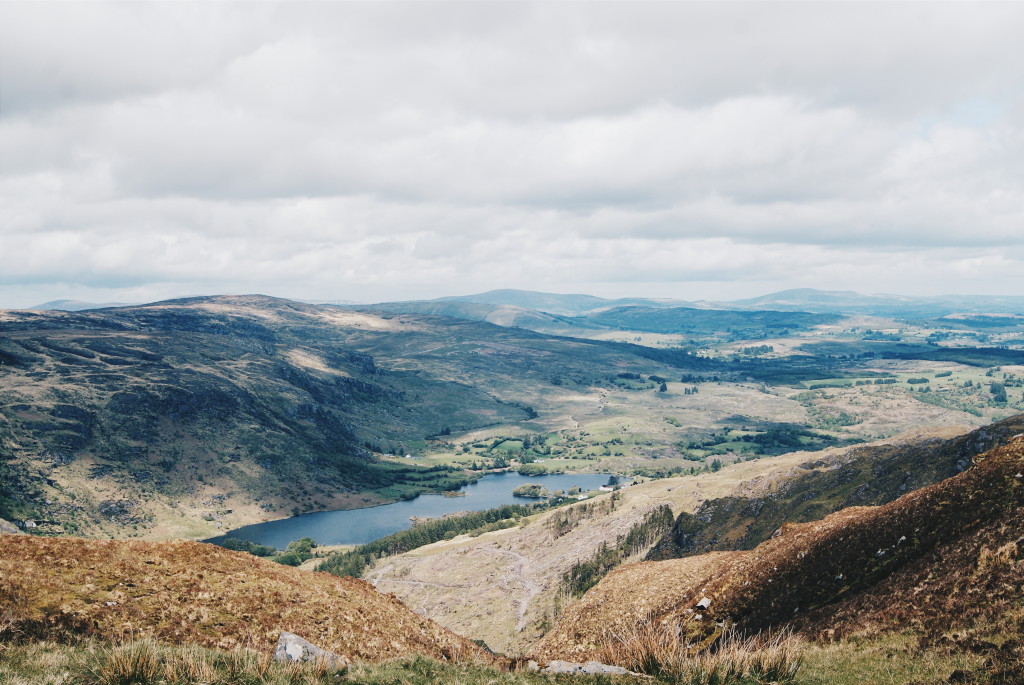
x=374, y=151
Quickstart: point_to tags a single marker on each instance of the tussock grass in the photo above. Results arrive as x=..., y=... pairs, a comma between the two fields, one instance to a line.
x=146, y=662
x=665, y=651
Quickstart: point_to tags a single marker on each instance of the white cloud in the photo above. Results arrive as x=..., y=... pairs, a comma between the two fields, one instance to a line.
x=372, y=151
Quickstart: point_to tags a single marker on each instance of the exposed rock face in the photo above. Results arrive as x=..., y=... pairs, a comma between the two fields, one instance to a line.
x=292, y=648
x=8, y=528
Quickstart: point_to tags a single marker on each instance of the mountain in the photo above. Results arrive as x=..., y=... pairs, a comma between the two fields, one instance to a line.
x=588, y=317
x=176, y=418
x=941, y=559
x=508, y=315
x=188, y=411
x=199, y=594
x=848, y=302
x=809, y=299
x=794, y=300
x=700, y=322
x=564, y=305
x=76, y=305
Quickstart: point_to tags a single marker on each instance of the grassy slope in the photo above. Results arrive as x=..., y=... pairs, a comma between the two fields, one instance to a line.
x=868, y=475
x=941, y=558
x=194, y=593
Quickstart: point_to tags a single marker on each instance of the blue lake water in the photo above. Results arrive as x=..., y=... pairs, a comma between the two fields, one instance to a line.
x=359, y=526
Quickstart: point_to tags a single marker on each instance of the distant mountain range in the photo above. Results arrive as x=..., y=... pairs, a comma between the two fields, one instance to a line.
x=586, y=316
x=849, y=302
x=522, y=307
x=517, y=305
x=565, y=305
x=76, y=305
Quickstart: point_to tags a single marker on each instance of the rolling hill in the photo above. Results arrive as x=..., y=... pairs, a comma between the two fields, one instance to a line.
x=849, y=302
x=512, y=316
x=701, y=322
x=552, y=303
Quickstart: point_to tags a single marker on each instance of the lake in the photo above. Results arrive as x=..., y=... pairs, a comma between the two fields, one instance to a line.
x=359, y=526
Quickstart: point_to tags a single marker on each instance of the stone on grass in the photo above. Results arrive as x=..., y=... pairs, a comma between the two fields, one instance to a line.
x=293, y=649
x=589, y=668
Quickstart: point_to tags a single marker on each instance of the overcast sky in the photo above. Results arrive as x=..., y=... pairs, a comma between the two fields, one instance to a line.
x=379, y=151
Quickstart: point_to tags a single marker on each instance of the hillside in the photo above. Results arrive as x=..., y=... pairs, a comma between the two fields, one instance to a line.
x=194, y=593
x=182, y=417
x=558, y=304
x=507, y=587
x=848, y=302
x=942, y=558
x=865, y=475
x=190, y=411
x=508, y=315
x=701, y=322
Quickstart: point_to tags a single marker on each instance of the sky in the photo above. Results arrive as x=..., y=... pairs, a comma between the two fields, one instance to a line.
x=346, y=151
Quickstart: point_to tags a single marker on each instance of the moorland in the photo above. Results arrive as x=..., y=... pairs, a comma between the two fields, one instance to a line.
x=757, y=435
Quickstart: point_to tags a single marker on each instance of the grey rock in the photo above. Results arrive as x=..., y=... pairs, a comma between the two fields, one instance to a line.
x=292, y=648
x=8, y=528
x=589, y=668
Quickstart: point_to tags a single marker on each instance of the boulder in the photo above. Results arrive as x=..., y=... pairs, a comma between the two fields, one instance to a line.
x=589, y=668
x=292, y=648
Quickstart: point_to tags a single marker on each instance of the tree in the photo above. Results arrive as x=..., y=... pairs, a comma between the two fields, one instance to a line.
x=663, y=388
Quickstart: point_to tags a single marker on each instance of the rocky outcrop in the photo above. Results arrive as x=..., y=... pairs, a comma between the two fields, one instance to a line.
x=8, y=528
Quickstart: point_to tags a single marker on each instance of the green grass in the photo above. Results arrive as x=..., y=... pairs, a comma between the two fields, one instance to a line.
x=882, y=660
x=885, y=660
x=149, y=663
x=145, y=662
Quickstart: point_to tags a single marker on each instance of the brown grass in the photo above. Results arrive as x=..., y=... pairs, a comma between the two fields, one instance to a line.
x=145, y=661
x=665, y=650
x=194, y=593
x=946, y=555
